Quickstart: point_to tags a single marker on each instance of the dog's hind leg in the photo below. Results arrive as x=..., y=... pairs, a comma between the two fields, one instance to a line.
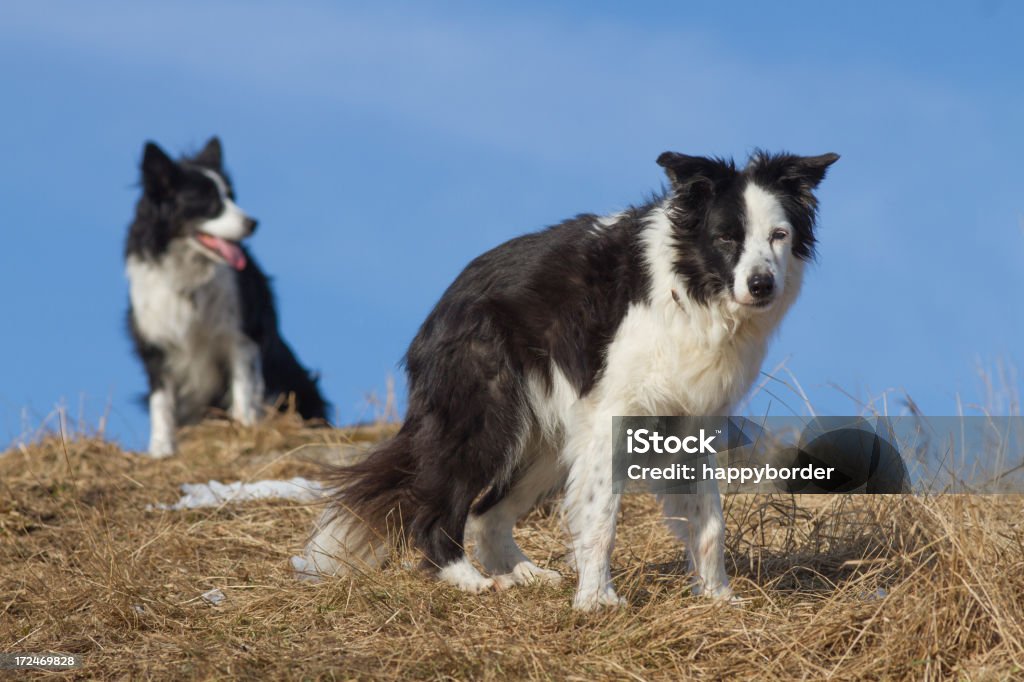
x=447, y=489
x=455, y=466
x=495, y=516
x=696, y=519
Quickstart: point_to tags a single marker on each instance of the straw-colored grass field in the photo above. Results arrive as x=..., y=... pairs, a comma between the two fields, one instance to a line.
x=844, y=588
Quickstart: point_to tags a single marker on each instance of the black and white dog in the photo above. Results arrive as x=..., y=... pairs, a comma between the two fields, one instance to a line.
x=664, y=309
x=202, y=313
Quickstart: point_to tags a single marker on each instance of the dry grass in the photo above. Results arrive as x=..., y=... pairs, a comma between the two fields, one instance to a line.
x=879, y=588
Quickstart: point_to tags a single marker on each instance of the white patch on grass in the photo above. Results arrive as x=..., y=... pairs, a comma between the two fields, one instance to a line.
x=215, y=493
x=214, y=597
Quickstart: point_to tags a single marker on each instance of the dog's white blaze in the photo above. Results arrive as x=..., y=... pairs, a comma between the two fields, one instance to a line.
x=230, y=224
x=761, y=255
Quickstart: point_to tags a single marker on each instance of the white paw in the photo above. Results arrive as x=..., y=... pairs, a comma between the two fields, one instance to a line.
x=462, y=575
x=525, y=573
x=305, y=570
x=246, y=415
x=160, y=448
x=471, y=585
x=718, y=593
x=596, y=601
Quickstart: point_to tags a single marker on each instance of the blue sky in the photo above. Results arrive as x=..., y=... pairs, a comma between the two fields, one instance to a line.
x=384, y=146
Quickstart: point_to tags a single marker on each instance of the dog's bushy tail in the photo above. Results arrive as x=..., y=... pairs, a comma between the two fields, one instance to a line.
x=363, y=521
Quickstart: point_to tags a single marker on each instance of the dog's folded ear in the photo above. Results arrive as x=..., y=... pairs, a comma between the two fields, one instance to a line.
x=160, y=173
x=695, y=177
x=211, y=155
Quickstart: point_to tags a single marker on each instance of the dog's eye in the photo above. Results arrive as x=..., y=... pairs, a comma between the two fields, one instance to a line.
x=725, y=239
x=778, y=234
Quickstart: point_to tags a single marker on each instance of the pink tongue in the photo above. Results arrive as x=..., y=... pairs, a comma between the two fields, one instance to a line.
x=229, y=251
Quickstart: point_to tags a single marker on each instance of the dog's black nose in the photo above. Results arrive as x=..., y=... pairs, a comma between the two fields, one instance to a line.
x=250, y=225
x=761, y=286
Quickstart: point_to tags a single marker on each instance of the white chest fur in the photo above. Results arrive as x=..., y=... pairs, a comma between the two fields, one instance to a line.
x=183, y=301
x=664, y=361
x=189, y=307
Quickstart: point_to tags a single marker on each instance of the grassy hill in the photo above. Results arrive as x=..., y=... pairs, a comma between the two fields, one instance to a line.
x=926, y=588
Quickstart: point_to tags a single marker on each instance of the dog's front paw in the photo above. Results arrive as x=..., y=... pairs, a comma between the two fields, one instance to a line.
x=464, y=576
x=596, y=601
x=247, y=415
x=160, y=448
x=527, y=573
x=719, y=593
x=305, y=570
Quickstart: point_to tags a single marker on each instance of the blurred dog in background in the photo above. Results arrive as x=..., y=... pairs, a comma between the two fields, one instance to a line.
x=202, y=313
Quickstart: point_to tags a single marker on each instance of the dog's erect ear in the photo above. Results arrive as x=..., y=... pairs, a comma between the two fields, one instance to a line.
x=160, y=173
x=796, y=173
x=695, y=177
x=211, y=156
x=810, y=170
